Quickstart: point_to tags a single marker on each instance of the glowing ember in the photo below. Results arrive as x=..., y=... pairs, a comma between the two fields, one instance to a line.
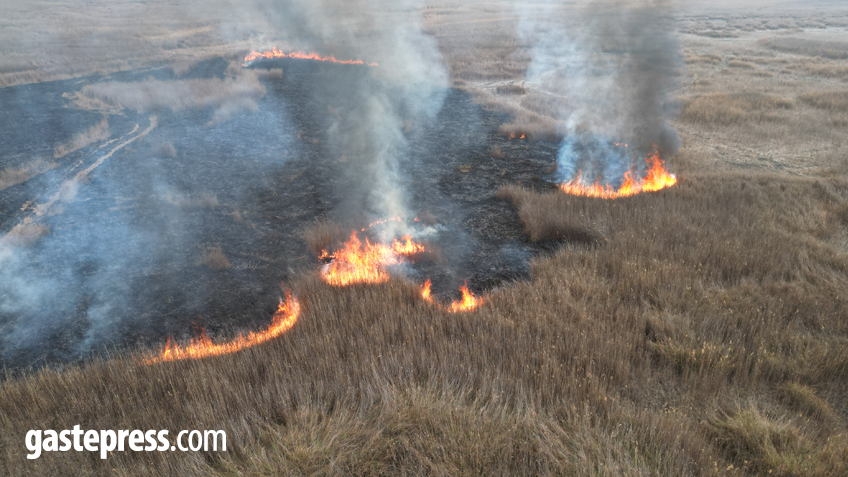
x=365, y=262
x=275, y=53
x=202, y=347
x=656, y=178
x=468, y=302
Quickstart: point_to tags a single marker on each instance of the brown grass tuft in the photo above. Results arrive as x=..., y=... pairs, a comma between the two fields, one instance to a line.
x=16, y=175
x=511, y=89
x=836, y=101
x=804, y=399
x=741, y=64
x=827, y=49
x=829, y=71
x=213, y=258
x=725, y=109
x=26, y=233
x=541, y=219
x=322, y=235
x=98, y=132
x=767, y=446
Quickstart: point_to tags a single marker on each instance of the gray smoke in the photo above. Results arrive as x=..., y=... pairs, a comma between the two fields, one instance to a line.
x=615, y=63
x=71, y=262
x=407, y=89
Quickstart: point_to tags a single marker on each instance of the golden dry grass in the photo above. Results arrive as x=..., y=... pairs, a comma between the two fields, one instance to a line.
x=830, y=100
x=827, y=49
x=323, y=235
x=725, y=109
x=611, y=360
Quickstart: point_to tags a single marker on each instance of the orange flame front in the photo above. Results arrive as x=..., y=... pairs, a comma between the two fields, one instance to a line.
x=275, y=53
x=425, y=291
x=407, y=247
x=656, y=178
x=468, y=301
x=365, y=262
x=202, y=347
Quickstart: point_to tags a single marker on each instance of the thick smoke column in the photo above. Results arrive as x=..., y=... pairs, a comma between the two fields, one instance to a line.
x=407, y=88
x=615, y=63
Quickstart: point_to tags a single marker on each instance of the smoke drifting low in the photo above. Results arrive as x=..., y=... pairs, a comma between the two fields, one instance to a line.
x=615, y=63
x=120, y=222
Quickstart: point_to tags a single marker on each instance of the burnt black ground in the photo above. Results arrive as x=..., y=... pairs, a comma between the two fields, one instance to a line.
x=121, y=266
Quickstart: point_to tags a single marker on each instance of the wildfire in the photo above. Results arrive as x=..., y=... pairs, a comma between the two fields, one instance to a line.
x=656, y=178
x=425, y=291
x=365, y=262
x=468, y=301
x=512, y=136
x=202, y=347
x=407, y=247
x=275, y=53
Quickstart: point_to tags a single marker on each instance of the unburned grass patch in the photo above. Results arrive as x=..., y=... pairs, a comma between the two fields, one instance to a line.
x=26, y=233
x=540, y=219
x=96, y=133
x=511, y=89
x=829, y=71
x=836, y=50
x=765, y=445
x=323, y=235
x=803, y=398
x=213, y=257
x=15, y=175
x=836, y=101
x=729, y=109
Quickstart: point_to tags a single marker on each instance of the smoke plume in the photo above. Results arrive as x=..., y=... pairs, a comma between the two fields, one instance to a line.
x=97, y=241
x=406, y=89
x=616, y=64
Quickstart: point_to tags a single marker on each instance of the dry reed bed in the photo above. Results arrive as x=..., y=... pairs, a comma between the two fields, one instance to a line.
x=706, y=331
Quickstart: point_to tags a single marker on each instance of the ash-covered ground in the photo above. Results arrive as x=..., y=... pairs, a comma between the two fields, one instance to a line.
x=122, y=262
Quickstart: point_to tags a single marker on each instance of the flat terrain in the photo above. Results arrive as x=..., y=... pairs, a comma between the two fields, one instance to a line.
x=700, y=330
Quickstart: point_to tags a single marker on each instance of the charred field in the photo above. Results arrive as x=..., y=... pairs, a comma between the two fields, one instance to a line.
x=136, y=237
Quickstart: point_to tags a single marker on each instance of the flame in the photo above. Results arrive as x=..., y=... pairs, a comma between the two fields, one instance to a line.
x=468, y=302
x=383, y=221
x=275, y=53
x=656, y=178
x=202, y=347
x=425, y=291
x=359, y=262
x=407, y=247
